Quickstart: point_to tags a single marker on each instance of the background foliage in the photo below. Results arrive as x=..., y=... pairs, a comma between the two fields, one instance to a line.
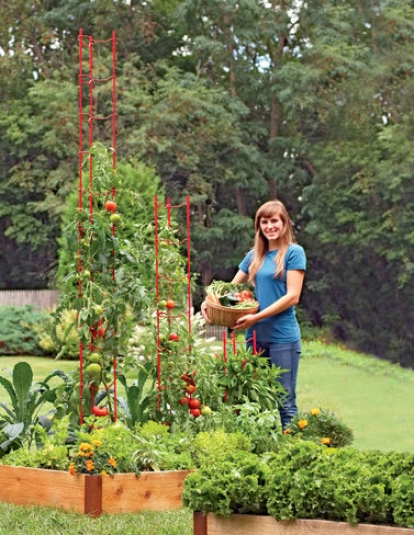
x=232, y=103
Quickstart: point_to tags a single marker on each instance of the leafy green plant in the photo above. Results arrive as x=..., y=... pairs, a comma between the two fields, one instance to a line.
x=306, y=480
x=244, y=376
x=321, y=426
x=59, y=336
x=139, y=395
x=19, y=330
x=19, y=418
x=262, y=426
x=233, y=484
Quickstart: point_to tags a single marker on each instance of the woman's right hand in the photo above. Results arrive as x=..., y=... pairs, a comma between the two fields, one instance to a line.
x=203, y=310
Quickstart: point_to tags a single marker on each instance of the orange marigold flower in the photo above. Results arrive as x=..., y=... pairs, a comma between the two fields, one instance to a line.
x=302, y=424
x=112, y=462
x=72, y=469
x=97, y=443
x=286, y=432
x=315, y=412
x=104, y=473
x=326, y=440
x=85, y=446
x=89, y=465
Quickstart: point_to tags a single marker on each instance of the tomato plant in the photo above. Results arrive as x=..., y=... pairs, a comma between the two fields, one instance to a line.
x=105, y=286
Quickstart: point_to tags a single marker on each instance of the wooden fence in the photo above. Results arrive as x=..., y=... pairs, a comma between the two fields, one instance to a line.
x=41, y=299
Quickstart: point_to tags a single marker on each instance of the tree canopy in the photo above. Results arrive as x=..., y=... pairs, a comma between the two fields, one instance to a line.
x=231, y=102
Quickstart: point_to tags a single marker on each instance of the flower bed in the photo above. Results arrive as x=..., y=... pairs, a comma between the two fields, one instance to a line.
x=236, y=524
x=92, y=494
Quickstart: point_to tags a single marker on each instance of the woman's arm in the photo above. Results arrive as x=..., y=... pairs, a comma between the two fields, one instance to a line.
x=239, y=277
x=294, y=284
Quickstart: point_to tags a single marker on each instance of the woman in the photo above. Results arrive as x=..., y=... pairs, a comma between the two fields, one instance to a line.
x=276, y=267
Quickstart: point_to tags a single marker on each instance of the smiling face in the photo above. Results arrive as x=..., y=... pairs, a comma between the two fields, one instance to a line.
x=271, y=227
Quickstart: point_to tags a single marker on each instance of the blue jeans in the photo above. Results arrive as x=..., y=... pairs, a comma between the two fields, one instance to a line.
x=286, y=357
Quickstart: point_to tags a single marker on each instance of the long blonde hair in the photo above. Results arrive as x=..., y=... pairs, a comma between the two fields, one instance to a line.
x=261, y=244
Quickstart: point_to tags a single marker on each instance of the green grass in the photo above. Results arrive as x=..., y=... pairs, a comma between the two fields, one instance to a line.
x=17, y=520
x=41, y=366
x=372, y=396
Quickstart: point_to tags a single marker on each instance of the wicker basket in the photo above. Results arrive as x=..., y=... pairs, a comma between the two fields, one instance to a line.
x=227, y=316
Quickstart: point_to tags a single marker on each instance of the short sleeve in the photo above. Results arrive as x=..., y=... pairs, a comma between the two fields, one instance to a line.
x=245, y=263
x=296, y=258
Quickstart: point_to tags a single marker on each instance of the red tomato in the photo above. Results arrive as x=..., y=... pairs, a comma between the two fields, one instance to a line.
x=195, y=412
x=190, y=389
x=187, y=378
x=170, y=304
x=174, y=337
x=183, y=401
x=245, y=294
x=100, y=411
x=110, y=206
x=194, y=403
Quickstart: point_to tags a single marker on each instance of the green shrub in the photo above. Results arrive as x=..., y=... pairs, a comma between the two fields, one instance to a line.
x=321, y=426
x=19, y=328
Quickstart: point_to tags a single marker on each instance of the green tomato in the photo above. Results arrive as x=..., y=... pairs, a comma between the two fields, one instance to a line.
x=93, y=369
x=116, y=219
x=94, y=357
x=206, y=411
x=98, y=309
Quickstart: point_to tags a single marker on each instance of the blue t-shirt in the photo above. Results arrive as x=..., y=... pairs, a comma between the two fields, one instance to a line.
x=281, y=328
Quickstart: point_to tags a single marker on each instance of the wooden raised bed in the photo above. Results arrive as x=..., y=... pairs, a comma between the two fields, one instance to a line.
x=267, y=525
x=92, y=494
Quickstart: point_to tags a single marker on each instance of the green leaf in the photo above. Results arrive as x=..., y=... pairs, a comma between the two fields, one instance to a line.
x=22, y=381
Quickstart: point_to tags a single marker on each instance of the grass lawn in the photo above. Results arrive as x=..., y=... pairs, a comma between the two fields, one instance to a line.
x=15, y=520
x=372, y=396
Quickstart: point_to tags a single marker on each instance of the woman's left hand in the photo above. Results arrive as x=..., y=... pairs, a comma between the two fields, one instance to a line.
x=245, y=322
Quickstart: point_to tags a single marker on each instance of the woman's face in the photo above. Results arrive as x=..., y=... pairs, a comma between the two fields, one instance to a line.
x=271, y=227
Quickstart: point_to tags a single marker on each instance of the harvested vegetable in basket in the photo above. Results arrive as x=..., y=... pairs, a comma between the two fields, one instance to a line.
x=229, y=294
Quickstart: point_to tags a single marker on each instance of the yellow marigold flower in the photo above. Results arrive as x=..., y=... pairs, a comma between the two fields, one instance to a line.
x=326, y=440
x=97, y=443
x=89, y=465
x=81, y=454
x=286, y=432
x=302, y=424
x=85, y=446
x=315, y=412
x=72, y=469
x=104, y=473
x=112, y=462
